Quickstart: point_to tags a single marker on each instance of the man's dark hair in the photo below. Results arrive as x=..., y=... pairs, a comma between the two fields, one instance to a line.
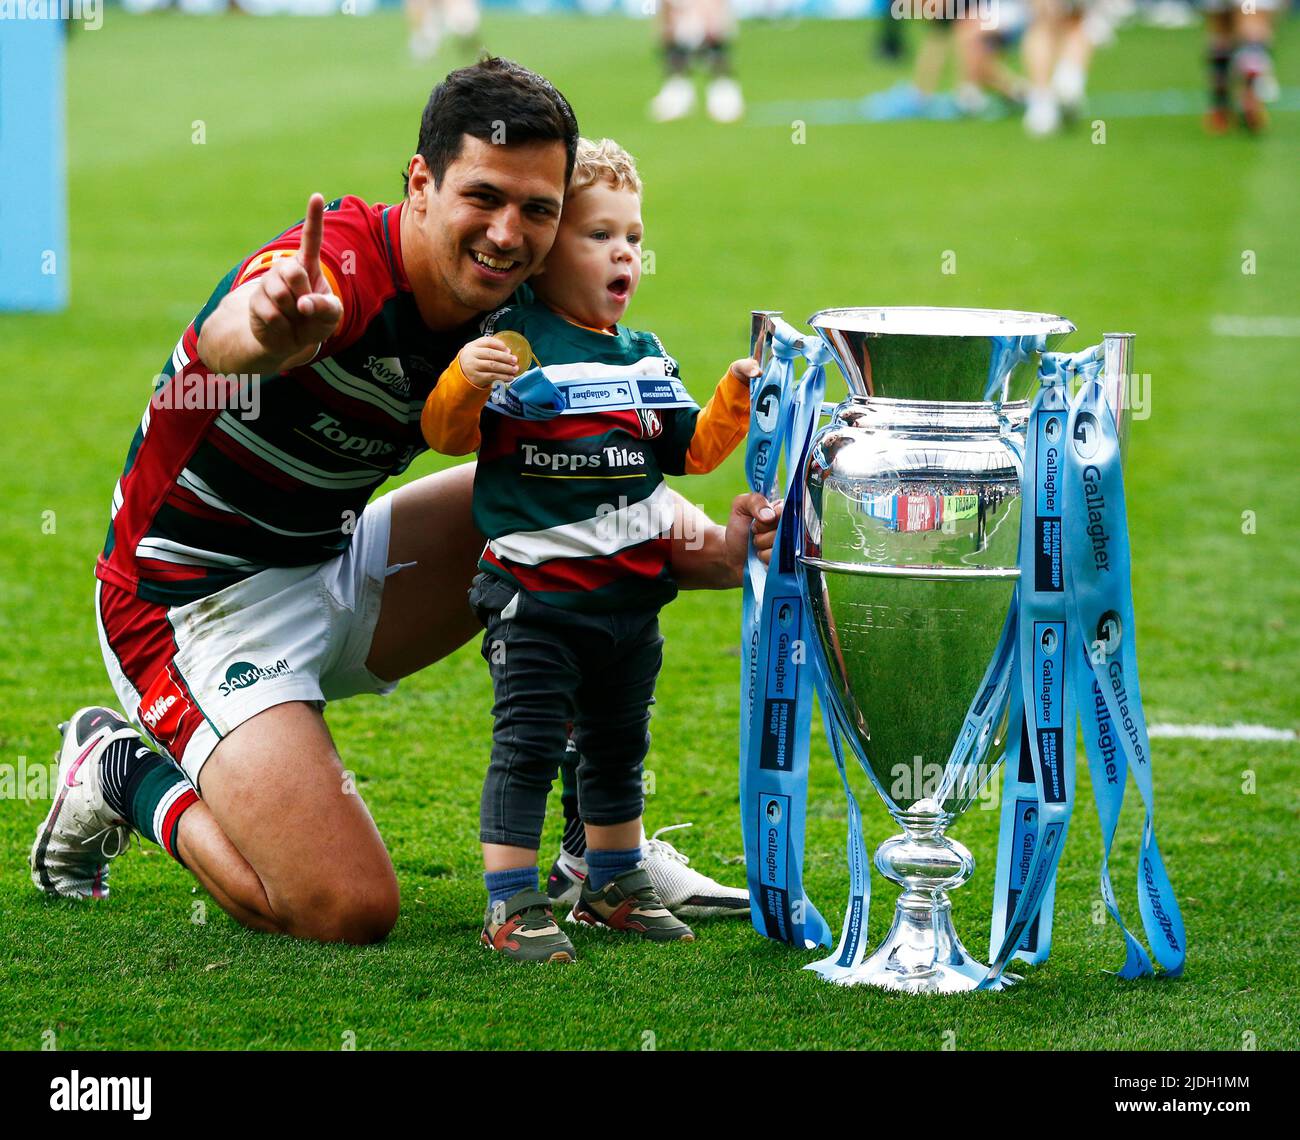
x=495, y=100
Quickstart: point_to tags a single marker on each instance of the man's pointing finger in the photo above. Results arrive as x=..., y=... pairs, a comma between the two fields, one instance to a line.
x=312, y=227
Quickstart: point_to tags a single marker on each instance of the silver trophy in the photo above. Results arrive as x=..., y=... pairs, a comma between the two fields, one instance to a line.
x=909, y=550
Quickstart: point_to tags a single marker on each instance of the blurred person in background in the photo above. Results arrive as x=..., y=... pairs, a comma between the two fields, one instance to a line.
x=1057, y=50
x=697, y=31
x=979, y=43
x=1241, y=41
x=975, y=34
x=430, y=20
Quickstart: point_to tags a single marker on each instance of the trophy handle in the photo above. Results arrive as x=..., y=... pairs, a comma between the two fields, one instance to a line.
x=1117, y=378
x=760, y=333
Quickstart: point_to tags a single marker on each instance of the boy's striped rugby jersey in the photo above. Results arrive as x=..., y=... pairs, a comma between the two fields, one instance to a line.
x=227, y=476
x=575, y=508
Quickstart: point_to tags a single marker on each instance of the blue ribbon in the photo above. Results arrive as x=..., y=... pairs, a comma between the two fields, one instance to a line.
x=776, y=690
x=1114, y=726
x=1075, y=592
x=1034, y=830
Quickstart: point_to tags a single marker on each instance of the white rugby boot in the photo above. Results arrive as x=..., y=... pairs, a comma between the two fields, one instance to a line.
x=685, y=891
x=81, y=833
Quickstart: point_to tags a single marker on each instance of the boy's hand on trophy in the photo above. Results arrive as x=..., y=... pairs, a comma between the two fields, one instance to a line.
x=745, y=369
x=487, y=360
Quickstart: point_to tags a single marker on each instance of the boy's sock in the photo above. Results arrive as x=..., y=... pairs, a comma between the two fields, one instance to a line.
x=1220, y=58
x=502, y=884
x=147, y=790
x=605, y=866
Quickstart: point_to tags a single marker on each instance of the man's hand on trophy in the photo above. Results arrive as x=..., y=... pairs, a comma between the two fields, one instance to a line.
x=751, y=513
x=708, y=556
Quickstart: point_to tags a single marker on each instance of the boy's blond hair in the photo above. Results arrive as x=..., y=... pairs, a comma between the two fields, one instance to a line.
x=604, y=161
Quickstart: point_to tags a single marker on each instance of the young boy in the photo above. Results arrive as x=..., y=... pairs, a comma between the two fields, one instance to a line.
x=576, y=567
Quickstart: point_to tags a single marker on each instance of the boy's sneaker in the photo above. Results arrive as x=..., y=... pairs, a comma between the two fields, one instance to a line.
x=523, y=927
x=81, y=833
x=629, y=902
x=684, y=890
x=564, y=883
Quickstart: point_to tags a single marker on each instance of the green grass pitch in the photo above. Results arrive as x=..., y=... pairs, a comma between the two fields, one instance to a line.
x=1146, y=231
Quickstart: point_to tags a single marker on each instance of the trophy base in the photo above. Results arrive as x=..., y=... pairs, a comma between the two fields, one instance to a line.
x=922, y=954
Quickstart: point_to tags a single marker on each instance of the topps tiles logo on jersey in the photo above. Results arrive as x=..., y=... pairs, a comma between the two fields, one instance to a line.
x=243, y=674
x=75, y=1093
x=611, y=460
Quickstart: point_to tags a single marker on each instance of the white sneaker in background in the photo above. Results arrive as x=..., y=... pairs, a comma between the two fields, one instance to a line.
x=676, y=100
x=724, y=101
x=564, y=883
x=426, y=39
x=1042, y=115
x=1069, y=83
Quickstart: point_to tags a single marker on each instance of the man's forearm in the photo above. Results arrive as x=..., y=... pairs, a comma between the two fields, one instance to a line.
x=701, y=559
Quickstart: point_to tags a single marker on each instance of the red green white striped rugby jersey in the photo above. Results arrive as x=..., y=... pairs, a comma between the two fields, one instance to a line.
x=575, y=508
x=226, y=477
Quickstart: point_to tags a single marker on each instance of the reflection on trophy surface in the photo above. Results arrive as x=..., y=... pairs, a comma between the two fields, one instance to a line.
x=910, y=559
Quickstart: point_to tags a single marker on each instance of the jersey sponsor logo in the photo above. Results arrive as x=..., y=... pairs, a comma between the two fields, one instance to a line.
x=387, y=370
x=363, y=446
x=538, y=459
x=244, y=674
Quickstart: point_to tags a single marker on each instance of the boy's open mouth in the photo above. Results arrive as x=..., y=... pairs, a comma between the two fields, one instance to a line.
x=618, y=288
x=495, y=268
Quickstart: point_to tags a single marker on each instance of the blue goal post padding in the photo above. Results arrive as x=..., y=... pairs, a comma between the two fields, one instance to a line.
x=33, y=174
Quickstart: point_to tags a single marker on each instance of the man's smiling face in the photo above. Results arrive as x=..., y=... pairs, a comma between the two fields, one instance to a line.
x=487, y=227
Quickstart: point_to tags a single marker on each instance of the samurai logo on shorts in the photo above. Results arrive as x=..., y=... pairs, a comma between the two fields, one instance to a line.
x=242, y=674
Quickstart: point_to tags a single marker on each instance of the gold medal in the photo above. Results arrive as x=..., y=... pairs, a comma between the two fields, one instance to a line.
x=518, y=344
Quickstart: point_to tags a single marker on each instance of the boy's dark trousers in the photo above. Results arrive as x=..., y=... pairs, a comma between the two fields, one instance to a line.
x=553, y=667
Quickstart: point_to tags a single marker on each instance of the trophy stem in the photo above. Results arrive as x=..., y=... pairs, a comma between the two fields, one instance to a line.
x=922, y=953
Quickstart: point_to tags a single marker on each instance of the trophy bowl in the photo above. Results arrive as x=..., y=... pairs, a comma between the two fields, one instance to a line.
x=909, y=561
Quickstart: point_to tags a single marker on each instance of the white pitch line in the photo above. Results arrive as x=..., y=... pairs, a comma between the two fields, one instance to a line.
x=1221, y=732
x=1255, y=326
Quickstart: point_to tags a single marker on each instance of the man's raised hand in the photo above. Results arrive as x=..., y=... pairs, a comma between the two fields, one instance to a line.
x=292, y=308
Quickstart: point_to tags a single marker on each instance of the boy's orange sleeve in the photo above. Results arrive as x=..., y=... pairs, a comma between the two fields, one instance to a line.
x=721, y=424
x=449, y=421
